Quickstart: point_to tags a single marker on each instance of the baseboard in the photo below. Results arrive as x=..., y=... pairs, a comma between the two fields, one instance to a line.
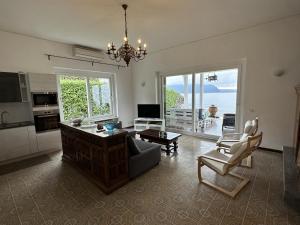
x=270, y=150
x=9, y=161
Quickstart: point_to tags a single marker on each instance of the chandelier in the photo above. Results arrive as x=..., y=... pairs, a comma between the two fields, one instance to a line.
x=126, y=51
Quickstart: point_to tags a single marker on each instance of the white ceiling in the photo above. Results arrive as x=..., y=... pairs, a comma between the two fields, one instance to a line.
x=162, y=23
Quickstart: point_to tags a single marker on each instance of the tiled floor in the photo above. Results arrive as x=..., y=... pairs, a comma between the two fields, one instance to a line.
x=52, y=192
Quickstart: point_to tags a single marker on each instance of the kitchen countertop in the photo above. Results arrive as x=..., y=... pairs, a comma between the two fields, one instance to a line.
x=15, y=125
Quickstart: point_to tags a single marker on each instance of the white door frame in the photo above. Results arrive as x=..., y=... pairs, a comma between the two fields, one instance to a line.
x=240, y=65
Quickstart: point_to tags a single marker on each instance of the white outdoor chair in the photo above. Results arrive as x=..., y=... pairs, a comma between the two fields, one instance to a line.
x=227, y=140
x=222, y=164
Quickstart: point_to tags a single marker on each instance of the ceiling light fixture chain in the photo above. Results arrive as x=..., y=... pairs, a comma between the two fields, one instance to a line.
x=125, y=8
x=126, y=51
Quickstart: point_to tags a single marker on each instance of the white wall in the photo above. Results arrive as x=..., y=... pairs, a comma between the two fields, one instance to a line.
x=22, y=53
x=264, y=49
x=17, y=111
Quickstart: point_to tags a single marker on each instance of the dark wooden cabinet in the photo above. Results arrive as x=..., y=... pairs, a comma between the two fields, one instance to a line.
x=104, y=158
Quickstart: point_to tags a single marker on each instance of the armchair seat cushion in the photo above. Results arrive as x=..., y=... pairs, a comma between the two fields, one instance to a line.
x=217, y=166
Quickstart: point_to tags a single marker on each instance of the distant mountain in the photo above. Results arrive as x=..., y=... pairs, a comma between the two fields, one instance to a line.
x=208, y=88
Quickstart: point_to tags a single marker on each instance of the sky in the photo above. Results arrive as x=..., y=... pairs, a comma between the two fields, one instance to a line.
x=226, y=78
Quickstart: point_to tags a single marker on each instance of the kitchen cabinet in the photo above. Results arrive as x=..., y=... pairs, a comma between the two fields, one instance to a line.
x=14, y=143
x=13, y=87
x=49, y=140
x=24, y=141
x=32, y=139
x=42, y=82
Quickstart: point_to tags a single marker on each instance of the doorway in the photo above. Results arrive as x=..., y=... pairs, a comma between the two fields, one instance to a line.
x=202, y=103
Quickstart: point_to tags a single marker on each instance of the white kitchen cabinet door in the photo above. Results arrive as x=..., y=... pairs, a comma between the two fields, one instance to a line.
x=14, y=143
x=42, y=82
x=49, y=140
x=32, y=139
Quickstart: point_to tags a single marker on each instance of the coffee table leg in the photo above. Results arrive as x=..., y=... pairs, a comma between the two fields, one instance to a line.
x=175, y=146
x=168, y=151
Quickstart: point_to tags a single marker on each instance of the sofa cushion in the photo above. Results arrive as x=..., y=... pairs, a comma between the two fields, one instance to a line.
x=144, y=145
x=133, y=147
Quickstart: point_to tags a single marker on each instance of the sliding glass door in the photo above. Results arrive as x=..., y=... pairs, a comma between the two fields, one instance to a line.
x=203, y=103
x=178, y=102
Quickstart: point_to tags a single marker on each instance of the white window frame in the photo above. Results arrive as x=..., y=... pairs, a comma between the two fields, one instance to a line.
x=87, y=74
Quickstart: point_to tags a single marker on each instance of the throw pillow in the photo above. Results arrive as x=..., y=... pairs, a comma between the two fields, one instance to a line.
x=132, y=146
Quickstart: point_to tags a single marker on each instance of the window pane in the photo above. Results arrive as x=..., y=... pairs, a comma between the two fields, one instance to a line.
x=100, y=96
x=74, y=96
x=215, y=95
x=222, y=92
x=178, y=102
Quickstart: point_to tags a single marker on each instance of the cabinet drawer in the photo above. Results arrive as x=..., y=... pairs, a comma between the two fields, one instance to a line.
x=49, y=140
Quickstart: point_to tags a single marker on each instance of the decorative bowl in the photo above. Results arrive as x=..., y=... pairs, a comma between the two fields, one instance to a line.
x=110, y=126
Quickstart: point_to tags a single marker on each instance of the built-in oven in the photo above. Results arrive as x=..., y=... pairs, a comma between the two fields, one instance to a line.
x=44, y=99
x=46, y=120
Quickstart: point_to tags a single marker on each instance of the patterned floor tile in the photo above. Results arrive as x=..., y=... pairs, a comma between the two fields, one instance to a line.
x=51, y=192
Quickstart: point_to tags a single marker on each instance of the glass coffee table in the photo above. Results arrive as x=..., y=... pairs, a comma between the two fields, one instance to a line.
x=169, y=139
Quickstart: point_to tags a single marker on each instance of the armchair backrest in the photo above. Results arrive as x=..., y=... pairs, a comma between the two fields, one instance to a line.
x=245, y=149
x=251, y=127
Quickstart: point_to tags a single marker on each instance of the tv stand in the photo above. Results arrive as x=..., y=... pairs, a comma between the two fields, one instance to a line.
x=141, y=124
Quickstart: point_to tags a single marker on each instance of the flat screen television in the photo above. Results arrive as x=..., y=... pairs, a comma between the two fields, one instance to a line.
x=148, y=110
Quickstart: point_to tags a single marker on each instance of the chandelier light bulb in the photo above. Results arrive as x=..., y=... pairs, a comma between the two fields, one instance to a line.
x=145, y=45
x=125, y=39
x=139, y=41
x=108, y=45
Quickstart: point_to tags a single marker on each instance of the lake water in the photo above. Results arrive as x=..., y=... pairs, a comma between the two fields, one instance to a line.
x=226, y=102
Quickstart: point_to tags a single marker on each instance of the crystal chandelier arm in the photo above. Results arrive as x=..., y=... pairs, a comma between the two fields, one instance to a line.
x=141, y=57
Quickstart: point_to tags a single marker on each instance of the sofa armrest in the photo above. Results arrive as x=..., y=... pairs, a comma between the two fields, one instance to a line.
x=144, y=161
x=155, y=150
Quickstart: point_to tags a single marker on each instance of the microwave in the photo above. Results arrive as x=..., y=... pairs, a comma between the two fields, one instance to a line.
x=44, y=99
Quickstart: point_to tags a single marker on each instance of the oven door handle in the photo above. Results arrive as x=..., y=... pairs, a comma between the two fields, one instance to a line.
x=49, y=115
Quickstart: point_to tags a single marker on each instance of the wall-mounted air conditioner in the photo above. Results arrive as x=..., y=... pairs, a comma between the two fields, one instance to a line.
x=88, y=53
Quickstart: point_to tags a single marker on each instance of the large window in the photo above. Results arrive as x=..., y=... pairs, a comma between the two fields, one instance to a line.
x=86, y=96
